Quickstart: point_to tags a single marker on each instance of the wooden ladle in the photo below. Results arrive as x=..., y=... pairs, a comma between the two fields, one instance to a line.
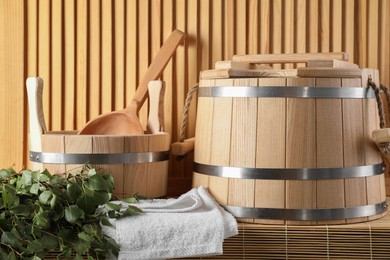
x=126, y=121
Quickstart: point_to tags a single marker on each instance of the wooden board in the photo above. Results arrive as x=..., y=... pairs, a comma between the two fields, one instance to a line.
x=111, y=144
x=54, y=143
x=220, y=142
x=135, y=176
x=329, y=134
x=203, y=135
x=157, y=174
x=300, y=148
x=243, y=147
x=353, y=142
x=329, y=72
x=288, y=58
x=77, y=144
x=271, y=148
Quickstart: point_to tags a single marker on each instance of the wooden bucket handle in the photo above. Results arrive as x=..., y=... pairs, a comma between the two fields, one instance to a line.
x=37, y=123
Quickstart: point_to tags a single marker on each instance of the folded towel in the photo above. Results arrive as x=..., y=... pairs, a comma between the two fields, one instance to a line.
x=191, y=225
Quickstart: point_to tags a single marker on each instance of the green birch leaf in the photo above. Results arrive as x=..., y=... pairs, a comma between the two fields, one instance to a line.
x=130, y=200
x=34, y=189
x=106, y=222
x=84, y=236
x=12, y=256
x=73, y=213
x=26, y=178
x=91, y=172
x=35, y=246
x=78, y=257
x=87, y=204
x=131, y=210
x=82, y=247
x=56, y=179
x=42, y=220
x=101, y=198
x=5, y=173
x=53, y=201
x=9, y=196
x=49, y=242
x=45, y=196
x=23, y=210
x=97, y=183
x=74, y=190
x=9, y=238
x=113, y=206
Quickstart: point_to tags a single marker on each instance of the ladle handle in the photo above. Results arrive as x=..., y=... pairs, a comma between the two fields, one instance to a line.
x=37, y=121
x=156, y=67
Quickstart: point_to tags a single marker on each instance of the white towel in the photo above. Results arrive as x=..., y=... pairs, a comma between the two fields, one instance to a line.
x=192, y=225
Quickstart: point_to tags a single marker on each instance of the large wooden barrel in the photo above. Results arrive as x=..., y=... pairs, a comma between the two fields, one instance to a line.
x=291, y=150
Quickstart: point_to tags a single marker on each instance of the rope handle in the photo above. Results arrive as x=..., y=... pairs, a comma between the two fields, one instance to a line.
x=377, y=91
x=185, y=146
x=381, y=136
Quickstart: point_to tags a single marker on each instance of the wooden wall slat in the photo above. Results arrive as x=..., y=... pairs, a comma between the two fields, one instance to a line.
x=217, y=32
x=253, y=27
x=131, y=49
x=91, y=54
x=144, y=58
x=119, y=54
x=82, y=64
x=94, y=60
x=348, y=30
x=276, y=28
x=69, y=89
x=44, y=24
x=12, y=73
x=312, y=35
x=107, y=55
x=324, y=29
x=336, y=19
x=265, y=22
x=57, y=61
x=167, y=21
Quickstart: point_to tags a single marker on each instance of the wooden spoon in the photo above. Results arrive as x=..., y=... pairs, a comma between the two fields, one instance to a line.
x=126, y=121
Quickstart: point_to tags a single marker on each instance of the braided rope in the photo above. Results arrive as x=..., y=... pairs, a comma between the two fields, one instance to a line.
x=387, y=94
x=381, y=112
x=184, y=120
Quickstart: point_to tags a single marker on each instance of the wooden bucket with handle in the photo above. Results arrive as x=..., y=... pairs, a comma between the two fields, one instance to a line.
x=290, y=147
x=138, y=163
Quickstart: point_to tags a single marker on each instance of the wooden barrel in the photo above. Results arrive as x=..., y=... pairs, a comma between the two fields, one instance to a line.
x=290, y=150
x=139, y=164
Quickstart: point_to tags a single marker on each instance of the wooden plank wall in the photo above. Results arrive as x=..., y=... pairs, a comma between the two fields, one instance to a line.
x=92, y=53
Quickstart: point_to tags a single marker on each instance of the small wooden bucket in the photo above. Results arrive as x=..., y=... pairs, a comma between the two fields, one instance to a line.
x=139, y=164
x=291, y=150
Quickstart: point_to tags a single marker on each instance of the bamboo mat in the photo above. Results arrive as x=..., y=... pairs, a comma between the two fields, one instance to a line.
x=368, y=240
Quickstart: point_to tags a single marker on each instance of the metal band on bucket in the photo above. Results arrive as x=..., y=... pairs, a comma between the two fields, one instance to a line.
x=286, y=92
x=102, y=158
x=289, y=173
x=308, y=214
